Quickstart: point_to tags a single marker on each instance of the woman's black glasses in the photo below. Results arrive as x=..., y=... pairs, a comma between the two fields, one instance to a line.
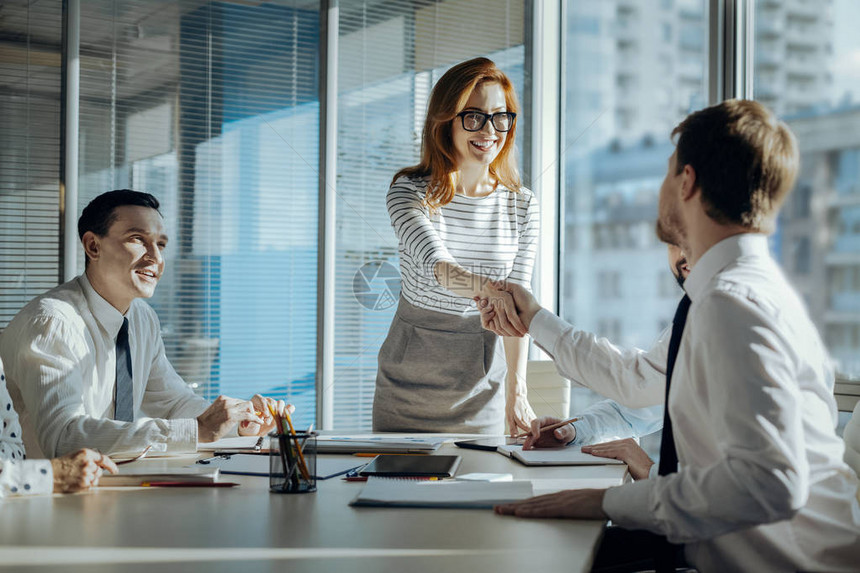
x=476, y=120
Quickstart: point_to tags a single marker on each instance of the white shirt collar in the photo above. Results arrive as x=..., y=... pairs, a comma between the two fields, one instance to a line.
x=719, y=256
x=105, y=313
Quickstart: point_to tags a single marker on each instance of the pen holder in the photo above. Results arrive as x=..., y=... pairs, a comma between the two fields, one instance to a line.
x=293, y=462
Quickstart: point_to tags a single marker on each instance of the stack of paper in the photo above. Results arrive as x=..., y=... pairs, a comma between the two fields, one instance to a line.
x=394, y=492
x=136, y=478
x=564, y=456
x=377, y=444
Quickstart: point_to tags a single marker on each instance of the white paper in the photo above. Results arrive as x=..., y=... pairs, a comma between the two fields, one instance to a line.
x=234, y=443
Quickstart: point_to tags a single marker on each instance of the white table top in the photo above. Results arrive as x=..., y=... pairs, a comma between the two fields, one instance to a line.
x=248, y=529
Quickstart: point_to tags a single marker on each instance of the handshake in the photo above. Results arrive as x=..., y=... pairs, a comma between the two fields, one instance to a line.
x=506, y=308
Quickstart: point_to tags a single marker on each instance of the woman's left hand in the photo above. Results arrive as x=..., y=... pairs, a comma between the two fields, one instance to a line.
x=518, y=413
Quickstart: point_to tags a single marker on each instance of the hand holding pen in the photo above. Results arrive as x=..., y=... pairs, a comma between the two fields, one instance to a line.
x=549, y=432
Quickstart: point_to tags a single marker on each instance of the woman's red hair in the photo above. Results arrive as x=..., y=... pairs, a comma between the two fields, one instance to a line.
x=438, y=156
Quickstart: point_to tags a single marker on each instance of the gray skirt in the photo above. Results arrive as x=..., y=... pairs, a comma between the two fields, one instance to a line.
x=439, y=373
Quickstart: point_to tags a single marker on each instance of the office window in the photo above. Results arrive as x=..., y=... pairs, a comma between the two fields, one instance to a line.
x=212, y=107
x=614, y=154
x=807, y=71
x=30, y=78
x=390, y=55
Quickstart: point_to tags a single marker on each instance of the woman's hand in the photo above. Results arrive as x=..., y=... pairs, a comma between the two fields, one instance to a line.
x=518, y=413
x=80, y=470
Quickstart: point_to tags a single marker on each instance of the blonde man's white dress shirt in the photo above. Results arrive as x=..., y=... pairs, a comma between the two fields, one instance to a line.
x=762, y=484
x=60, y=357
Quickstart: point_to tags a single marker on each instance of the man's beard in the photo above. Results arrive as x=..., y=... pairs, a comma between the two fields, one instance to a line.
x=670, y=230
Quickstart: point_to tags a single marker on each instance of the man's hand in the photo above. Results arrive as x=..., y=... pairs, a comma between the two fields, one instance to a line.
x=525, y=306
x=80, y=470
x=558, y=437
x=222, y=415
x=504, y=321
x=626, y=450
x=265, y=422
x=570, y=504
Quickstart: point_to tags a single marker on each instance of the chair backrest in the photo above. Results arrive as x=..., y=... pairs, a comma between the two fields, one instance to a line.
x=549, y=392
x=852, y=442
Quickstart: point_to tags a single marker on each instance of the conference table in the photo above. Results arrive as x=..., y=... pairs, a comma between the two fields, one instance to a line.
x=247, y=528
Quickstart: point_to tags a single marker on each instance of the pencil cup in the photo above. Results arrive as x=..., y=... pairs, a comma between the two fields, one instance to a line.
x=293, y=462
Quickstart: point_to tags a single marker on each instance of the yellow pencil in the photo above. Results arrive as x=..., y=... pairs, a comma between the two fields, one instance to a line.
x=302, y=465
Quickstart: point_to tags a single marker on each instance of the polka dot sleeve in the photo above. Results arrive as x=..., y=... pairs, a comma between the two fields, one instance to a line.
x=17, y=475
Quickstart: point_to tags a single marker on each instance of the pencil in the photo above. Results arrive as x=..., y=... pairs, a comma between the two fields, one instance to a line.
x=302, y=465
x=550, y=427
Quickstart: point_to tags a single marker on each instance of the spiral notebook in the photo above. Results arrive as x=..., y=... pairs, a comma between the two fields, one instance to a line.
x=564, y=456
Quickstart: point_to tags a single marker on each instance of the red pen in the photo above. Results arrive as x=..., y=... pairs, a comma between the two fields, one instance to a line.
x=188, y=484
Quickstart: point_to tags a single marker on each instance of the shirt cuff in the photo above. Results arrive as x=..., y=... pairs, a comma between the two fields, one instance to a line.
x=546, y=329
x=182, y=435
x=581, y=427
x=27, y=477
x=629, y=506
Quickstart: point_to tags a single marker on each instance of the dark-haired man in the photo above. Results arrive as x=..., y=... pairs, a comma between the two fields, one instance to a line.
x=751, y=475
x=85, y=361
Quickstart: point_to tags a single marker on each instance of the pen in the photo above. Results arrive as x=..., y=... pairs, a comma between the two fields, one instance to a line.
x=188, y=484
x=550, y=427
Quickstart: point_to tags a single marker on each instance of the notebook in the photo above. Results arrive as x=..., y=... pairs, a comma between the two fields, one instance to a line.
x=564, y=456
x=257, y=465
x=136, y=478
x=392, y=492
x=412, y=466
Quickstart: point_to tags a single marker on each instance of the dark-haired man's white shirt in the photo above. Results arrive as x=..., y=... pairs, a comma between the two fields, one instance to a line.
x=60, y=357
x=762, y=484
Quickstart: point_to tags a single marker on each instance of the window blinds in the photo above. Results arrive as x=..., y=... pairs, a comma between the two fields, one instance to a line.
x=30, y=83
x=212, y=107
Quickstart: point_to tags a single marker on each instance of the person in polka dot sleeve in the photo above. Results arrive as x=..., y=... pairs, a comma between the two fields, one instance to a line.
x=19, y=476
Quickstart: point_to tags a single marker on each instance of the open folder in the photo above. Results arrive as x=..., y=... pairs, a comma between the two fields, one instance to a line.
x=564, y=456
x=405, y=492
x=255, y=465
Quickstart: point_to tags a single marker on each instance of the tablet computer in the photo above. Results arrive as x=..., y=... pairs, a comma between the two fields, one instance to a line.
x=489, y=444
x=399, y=465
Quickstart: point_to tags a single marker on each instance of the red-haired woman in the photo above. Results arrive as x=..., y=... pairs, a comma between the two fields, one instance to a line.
x=463, y=221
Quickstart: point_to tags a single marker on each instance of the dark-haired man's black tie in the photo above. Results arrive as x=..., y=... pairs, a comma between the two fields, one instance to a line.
x=124, y=385
x=666, y=554
x=668, y=454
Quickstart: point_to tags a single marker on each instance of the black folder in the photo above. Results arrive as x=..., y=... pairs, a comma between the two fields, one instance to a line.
x=412, y=466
